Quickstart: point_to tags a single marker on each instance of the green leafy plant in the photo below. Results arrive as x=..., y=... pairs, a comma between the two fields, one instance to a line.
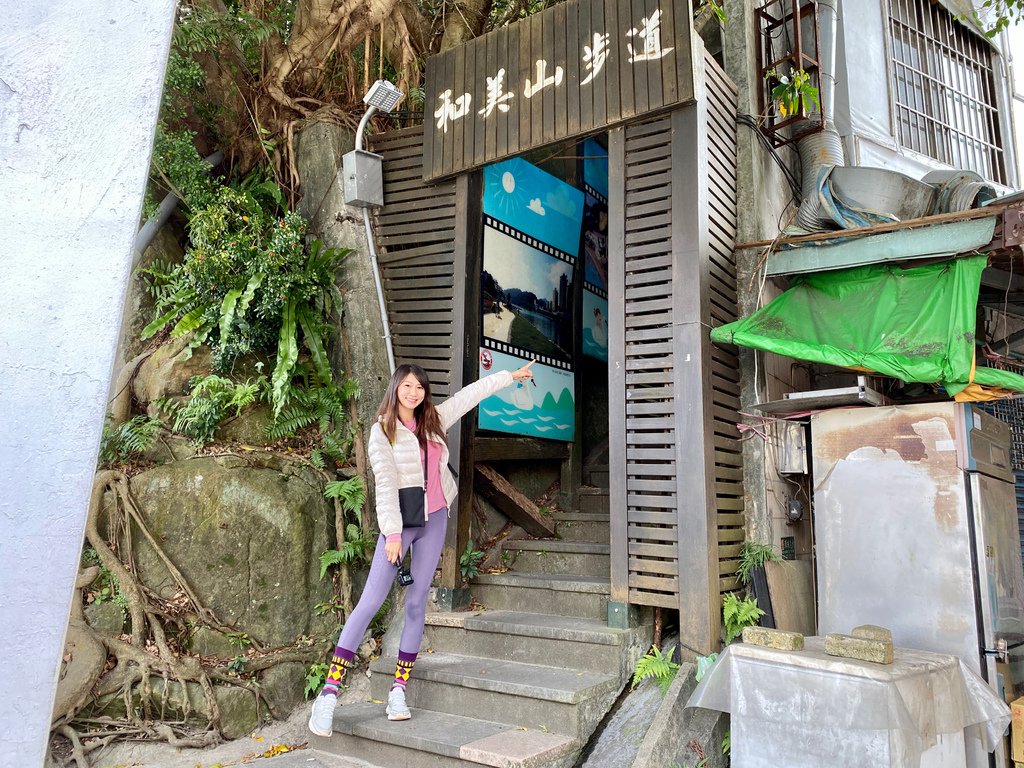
x=322, y=405
x=249, y=284
x=352, y=493
x=469, y=561
x=791, y=92
x=717, y=9
x=240, y=640
x=357, y=547
x=753, y=556
x=738, y=613
x=658, y=666
x=727, y=743
x=237, y=664
x=124, y=442
x=211, y=400
x=316, y=676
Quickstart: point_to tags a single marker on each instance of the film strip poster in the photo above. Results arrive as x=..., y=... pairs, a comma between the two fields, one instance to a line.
x=595, y=250
x=532, y=224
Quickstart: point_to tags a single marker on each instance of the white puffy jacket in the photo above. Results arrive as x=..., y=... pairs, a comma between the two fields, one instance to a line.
x=400, y=466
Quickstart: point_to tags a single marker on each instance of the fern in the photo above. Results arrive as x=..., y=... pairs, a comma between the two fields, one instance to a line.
x=738, y=613
x=658, y=666
x=212, y=400
x=753, y=556
x=352, y=493
x=124, y=442
x=355, y=549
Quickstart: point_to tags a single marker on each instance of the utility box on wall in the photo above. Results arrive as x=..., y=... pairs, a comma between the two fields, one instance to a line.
x=363, y=179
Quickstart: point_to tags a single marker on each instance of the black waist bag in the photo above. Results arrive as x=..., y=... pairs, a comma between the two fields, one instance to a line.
x=413, y=501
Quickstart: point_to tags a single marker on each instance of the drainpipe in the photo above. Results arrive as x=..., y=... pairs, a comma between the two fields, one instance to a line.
x=825, y=147
x=163, y=213
x=374, y=267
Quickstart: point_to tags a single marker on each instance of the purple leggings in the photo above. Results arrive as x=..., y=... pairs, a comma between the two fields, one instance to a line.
x=426, y=544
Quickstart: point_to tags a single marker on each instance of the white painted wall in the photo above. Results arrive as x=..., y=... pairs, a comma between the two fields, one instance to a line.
x=79, y=93
x=863, y=102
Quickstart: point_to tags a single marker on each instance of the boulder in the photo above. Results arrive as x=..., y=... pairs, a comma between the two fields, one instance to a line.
x=246, y=535
x=283, y=685
x=168, y=371
x=239, y=713
x=249, y=427
x=106, y=618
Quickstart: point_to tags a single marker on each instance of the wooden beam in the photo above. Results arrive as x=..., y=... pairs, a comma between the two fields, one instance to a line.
x=518, y=449
x=511, y=501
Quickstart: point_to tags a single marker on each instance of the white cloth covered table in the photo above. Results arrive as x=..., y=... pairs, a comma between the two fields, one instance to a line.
x=807, y=709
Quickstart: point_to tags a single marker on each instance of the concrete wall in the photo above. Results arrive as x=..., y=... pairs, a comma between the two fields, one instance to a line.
x=79, y=93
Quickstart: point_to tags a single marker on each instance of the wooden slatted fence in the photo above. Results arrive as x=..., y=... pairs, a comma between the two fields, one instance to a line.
x=423, y=287
x=675, y=461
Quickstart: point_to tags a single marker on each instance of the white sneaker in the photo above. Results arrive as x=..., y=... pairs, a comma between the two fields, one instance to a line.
x=397, y=709
x=321, y=720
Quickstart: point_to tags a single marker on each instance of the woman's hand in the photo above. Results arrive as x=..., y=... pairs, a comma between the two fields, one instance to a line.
x=524, y=373
x=393, y=551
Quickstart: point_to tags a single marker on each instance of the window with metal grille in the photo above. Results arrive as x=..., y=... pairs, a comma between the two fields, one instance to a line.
x=944, y=89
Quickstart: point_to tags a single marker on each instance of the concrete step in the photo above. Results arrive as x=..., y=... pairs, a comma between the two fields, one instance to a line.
x=596, y=474
x=553, y=699
x=593, y=500
x=582, y=526
x=441, y=740
x=554, y=556
x=560, y=595
x=558, y=641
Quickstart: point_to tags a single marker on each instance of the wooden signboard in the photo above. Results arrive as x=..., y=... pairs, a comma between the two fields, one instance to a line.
x=574, y=69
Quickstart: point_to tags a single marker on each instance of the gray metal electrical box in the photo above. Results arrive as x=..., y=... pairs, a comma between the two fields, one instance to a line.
x=363, y=178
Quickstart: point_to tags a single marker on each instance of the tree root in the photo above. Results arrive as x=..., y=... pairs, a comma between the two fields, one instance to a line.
x=149, y=651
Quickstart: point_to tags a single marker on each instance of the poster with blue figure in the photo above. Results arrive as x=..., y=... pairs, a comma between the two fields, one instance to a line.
x=544, y=407
x=595, y=329
x=535, y=203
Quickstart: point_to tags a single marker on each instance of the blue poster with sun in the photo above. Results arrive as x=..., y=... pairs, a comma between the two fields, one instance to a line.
x=532, y=224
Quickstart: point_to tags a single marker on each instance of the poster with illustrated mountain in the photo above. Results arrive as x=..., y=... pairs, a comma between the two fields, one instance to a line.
x=544, y=407
x=528, y=289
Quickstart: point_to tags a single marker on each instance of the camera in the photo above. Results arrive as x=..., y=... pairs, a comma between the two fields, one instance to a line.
x=404, y=577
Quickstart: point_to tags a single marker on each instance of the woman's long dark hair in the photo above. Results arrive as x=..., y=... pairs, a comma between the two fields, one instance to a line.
x=428, y=422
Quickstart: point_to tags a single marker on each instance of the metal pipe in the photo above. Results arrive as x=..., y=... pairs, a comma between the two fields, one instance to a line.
x=382, y=305
x=163, y=213
x=380, y=290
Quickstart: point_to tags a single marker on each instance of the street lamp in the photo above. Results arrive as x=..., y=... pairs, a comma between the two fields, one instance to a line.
x=363, y=184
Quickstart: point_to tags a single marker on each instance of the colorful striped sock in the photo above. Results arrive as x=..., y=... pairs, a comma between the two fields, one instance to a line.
x=340, y=664
x=403, y=668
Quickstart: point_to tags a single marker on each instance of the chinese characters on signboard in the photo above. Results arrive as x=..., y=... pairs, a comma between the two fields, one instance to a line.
x=573, y=69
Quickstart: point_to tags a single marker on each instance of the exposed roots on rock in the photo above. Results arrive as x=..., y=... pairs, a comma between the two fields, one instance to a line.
x=149, y=653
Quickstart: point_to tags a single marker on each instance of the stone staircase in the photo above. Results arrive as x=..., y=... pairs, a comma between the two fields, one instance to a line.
x=521, y=683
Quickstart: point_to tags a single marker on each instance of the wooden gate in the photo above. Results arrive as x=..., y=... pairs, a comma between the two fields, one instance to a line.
x=675, y=472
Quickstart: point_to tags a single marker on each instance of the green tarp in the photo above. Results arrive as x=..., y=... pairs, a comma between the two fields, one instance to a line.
x=916, y=323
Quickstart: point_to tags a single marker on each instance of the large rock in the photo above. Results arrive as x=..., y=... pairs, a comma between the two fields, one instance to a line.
x=246, y=537
x=284, y=684
x=169, y=371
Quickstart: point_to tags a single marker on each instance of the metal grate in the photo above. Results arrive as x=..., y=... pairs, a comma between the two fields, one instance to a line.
x=943, y=89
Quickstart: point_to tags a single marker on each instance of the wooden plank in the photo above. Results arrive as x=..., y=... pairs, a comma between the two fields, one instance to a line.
x=617, y=53
x=510, y=500
x=652, y=582
x=668, y=74
x=626, y=88
x=466, y=132
x=639, y=597
x=560, y=48
x=488, y=148
x=536, y=103
x=492, y=449
x=547, y=23
x=641, y=549
x=479, y=86
x=588, y=12
x=515, y=81
x=573, y=51
x=617, y=446
x=664, y=567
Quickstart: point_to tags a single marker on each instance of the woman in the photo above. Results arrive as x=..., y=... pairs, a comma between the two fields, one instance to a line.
x=406, y=421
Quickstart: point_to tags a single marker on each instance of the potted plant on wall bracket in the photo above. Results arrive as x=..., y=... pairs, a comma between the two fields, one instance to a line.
x=790, y=94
